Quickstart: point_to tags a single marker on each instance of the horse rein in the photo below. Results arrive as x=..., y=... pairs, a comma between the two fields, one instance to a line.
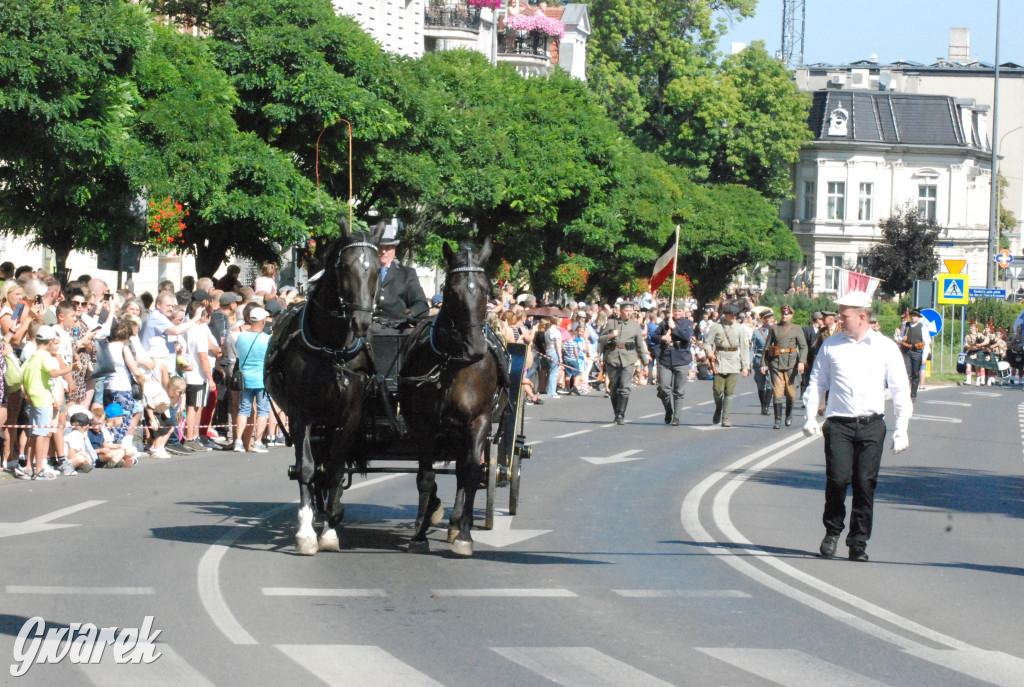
x=346, y=354
x=452, y=324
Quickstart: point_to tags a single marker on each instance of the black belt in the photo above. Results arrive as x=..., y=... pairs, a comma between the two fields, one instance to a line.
x=859, y=420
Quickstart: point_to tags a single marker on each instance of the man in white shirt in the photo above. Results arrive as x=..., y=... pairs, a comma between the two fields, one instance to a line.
x=854, y=366
x=198, y=376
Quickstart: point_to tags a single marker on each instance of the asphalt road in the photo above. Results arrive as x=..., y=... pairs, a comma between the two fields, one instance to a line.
x=640, y=555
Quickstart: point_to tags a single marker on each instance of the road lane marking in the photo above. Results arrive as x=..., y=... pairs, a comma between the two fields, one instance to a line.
x=681, y=593
x=170, y=670
x=572, y=434
x=950, y=403
x=705, y=403
x=648, y=417
x=303, y=591
x=579, y=667
x=507, y=592
x=791, y=668
x=502, y=534
x=936, y=418
x=982, y=393
x=998, y=668
x=534, y=443
x=623, y=457
x=42, y=522
x=351, y=664
x=79, y=591
x=208, y=572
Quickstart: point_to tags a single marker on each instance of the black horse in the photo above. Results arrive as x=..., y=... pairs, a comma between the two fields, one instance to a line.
x=447, y=388
x=319, y=371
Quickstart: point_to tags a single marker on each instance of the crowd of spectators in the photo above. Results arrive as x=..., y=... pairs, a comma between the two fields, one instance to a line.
x=93, y=378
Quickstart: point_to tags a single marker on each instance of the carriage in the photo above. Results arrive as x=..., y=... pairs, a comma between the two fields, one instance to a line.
x=362, y=398
x=384, y=438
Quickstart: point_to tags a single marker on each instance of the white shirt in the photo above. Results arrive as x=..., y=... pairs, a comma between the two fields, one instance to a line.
x=855, y=374
x=196, y=341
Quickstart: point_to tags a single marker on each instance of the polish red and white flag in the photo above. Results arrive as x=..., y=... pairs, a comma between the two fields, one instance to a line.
x=664, y=268
x=855, y=282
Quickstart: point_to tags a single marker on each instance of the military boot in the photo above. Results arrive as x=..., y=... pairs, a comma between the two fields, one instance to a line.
x=717, y=417
x=620, y=412
x=778, y=415
x=789, y=412
x=766, y=400
x=726, y=407
x=667, y=402
x=677, y=410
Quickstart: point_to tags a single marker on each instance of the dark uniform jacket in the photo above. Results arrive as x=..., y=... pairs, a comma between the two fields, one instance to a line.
x=623, y=350
x=677, y=352
x=400, y=296
x=788, y=338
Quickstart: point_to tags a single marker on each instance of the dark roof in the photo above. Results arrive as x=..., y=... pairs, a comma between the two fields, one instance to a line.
x=895, y=118
x=972, y=67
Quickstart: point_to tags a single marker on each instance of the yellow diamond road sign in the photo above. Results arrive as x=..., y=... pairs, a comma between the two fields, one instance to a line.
x=953, y=289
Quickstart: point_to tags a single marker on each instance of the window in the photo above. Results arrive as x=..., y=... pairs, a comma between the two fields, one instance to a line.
x=832, y=265
x=864, y=206
x=810, y=200
x=836, y=200
x=927, y=196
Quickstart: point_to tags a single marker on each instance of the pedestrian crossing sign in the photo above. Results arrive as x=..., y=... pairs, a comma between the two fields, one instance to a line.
x=953, y=289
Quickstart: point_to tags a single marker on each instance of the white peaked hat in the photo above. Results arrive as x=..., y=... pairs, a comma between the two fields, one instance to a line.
x=856, y=299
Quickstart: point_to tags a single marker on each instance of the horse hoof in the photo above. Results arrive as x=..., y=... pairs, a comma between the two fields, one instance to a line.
x=329, y=540
x=438, y=515
x=419, y=546
x=305, y=546
x=452, y=534
x=462, y=548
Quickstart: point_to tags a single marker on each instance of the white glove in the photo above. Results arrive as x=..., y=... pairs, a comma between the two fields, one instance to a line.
x=900, y=441
x=811, y=427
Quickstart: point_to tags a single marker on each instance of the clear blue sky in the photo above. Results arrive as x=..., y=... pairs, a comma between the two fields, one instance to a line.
x=842, y=32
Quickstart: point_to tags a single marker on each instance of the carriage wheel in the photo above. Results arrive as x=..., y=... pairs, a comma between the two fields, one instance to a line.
x=515, y=466
x=513, y=486
x=492, y=485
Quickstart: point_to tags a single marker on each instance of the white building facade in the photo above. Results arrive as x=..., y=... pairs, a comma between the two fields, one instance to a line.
x=872, y=154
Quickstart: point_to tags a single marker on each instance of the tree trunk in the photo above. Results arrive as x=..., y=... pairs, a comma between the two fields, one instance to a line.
x=209, y=258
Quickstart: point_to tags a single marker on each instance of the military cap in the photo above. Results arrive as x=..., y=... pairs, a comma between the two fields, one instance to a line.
x=732, y=309
x=679, y=304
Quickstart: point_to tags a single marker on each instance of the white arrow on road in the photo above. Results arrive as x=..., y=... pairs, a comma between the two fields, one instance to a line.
x=623, y=457
x=503, y=535
x=41, y=524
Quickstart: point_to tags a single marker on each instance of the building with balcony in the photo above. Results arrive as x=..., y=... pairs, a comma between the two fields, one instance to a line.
x=872, y=153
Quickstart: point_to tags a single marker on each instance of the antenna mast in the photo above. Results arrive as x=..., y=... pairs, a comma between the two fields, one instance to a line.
x=793, y=19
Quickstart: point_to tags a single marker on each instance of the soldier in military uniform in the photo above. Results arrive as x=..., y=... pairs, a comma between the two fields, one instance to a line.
x=912, y=346
x=757, y=343
x=786, y=356
x=728, y=350
x=622, y=343
x=673, y=337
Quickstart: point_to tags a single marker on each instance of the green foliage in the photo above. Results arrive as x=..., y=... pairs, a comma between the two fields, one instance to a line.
x=66, y=99
x=906, y=252
x=741, y=120
x=726, y=227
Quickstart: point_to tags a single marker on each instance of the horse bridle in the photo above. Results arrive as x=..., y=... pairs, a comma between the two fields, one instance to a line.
x=342, y=312
x=452, y=324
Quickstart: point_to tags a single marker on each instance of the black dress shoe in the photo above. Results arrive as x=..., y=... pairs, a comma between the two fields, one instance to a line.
x=828, y=545
x=857, y=553
x=620, y=420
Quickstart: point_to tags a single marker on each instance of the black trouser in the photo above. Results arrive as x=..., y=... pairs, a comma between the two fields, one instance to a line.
x=619, y=380
x=672, y=377
x=853, y=453
x=912, y=359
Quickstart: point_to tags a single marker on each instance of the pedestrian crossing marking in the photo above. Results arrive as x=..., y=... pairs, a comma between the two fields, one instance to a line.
x=579, y=667
x=352, y=664
x=791, y=668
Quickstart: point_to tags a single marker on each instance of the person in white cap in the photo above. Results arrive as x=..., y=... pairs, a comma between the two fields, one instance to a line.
x=252, y=350
x=853, y=367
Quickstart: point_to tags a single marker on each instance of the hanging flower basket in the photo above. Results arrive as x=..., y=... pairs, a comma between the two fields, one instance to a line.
x=540, y=23
x=166, y=221
x=488, y=4
x=571, y=275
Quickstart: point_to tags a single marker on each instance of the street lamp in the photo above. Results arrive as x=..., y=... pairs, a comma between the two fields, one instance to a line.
x=993, y=217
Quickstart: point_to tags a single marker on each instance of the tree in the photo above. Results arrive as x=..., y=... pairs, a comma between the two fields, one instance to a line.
x=741, y=120
x=244, y=196
x=726, y=227
x=66, y=99
x=906, y=252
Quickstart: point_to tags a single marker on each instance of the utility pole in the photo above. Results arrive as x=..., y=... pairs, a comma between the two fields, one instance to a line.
x=793, y=20
x=993, y=219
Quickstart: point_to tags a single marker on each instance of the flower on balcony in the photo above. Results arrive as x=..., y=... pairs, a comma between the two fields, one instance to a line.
x=539, y=22
x=490, y=4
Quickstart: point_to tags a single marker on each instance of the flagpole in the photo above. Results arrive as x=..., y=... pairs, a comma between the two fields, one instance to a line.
x=675, y=258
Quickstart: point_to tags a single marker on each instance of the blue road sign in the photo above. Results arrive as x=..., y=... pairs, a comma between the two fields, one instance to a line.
x=987, y=293
x=933, y=321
